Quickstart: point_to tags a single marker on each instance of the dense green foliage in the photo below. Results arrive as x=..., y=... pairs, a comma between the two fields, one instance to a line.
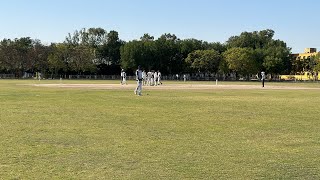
x=241, y=60
x=96, y=51
x=204, y=60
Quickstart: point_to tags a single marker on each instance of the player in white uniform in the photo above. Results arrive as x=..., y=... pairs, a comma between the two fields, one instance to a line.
x=155, y=75
x=39, y=76
x=263, y=77
x=123, y=77
x=159, y=78
x=151, y=78
x=144, y=77
x=121, y=74
x=124, y=81
x=138, y=90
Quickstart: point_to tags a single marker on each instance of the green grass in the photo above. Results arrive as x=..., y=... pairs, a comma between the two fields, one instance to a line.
x=173, y=134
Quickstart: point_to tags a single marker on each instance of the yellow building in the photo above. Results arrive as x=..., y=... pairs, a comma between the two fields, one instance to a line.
x=304, y=75
x=308, y=52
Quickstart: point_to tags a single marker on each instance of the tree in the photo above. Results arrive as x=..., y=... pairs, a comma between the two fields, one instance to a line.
x=131, y=55
x=189, y=45
x=136, y=53
x=81, y=59
x=271, y=55
x=92, y=37
x=58, y=59
x=316, y=63
x=147, y=37
x=96, y=37
x=23, y=48
x=113, y=47
x=186, y=47
x=254, y=40
x=105, y=47
x=21, y=55
x=96, y=50
x=217, y=46
x=297, y=65
x=241, y=60
x=169, y=59
x=204, y=60
x=40, y=55
x=7, y=56
x=74, y=39
x=276, y=60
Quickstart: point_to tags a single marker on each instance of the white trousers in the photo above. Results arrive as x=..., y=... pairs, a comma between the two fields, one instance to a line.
x=124, y=81
x=138, y=90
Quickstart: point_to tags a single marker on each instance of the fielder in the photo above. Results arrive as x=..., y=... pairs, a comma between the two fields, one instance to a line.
x=121, y=74
x=144, y=77
x=149, y=78
x=39, y=76
x=138, y=90
x=123, y=77
x=155, y=76
x=159, y=78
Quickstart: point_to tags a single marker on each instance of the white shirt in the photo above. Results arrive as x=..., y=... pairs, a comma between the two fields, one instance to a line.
x=144, y=75
x=263, y=75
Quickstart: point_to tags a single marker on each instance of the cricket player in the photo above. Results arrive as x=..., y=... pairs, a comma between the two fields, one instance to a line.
x=138, y=90
x=144, y=77
x=149, y=78
x=155, y=75
x=121, y=74
x=159, y=78
x=123, y=77
x=124, y=81
x=263, y=77
x=39, y=76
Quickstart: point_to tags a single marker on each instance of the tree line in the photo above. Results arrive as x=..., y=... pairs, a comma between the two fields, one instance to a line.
x=96, y=51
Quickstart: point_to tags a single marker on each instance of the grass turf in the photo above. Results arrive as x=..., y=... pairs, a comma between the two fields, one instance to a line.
x=54, y=133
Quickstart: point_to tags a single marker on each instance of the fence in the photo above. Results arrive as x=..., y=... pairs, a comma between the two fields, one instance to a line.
x=177, y=77
x=118, y=77
x=7, y=76
x=180, y=77
x=114, y=77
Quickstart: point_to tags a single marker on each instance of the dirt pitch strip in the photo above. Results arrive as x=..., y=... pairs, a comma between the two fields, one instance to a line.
x=169, y=87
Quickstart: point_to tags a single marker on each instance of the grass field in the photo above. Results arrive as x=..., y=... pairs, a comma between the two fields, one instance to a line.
x=72, y=133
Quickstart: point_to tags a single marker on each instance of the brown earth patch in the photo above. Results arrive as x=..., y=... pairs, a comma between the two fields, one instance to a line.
x=168, y=86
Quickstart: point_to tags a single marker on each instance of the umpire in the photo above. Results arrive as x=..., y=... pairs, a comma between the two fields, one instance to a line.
x=263, y=77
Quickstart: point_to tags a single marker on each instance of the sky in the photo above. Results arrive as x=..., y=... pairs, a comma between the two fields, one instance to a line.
x=294, y=21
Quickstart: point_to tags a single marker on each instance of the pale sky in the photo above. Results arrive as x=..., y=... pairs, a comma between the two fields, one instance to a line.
x=294, y=21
